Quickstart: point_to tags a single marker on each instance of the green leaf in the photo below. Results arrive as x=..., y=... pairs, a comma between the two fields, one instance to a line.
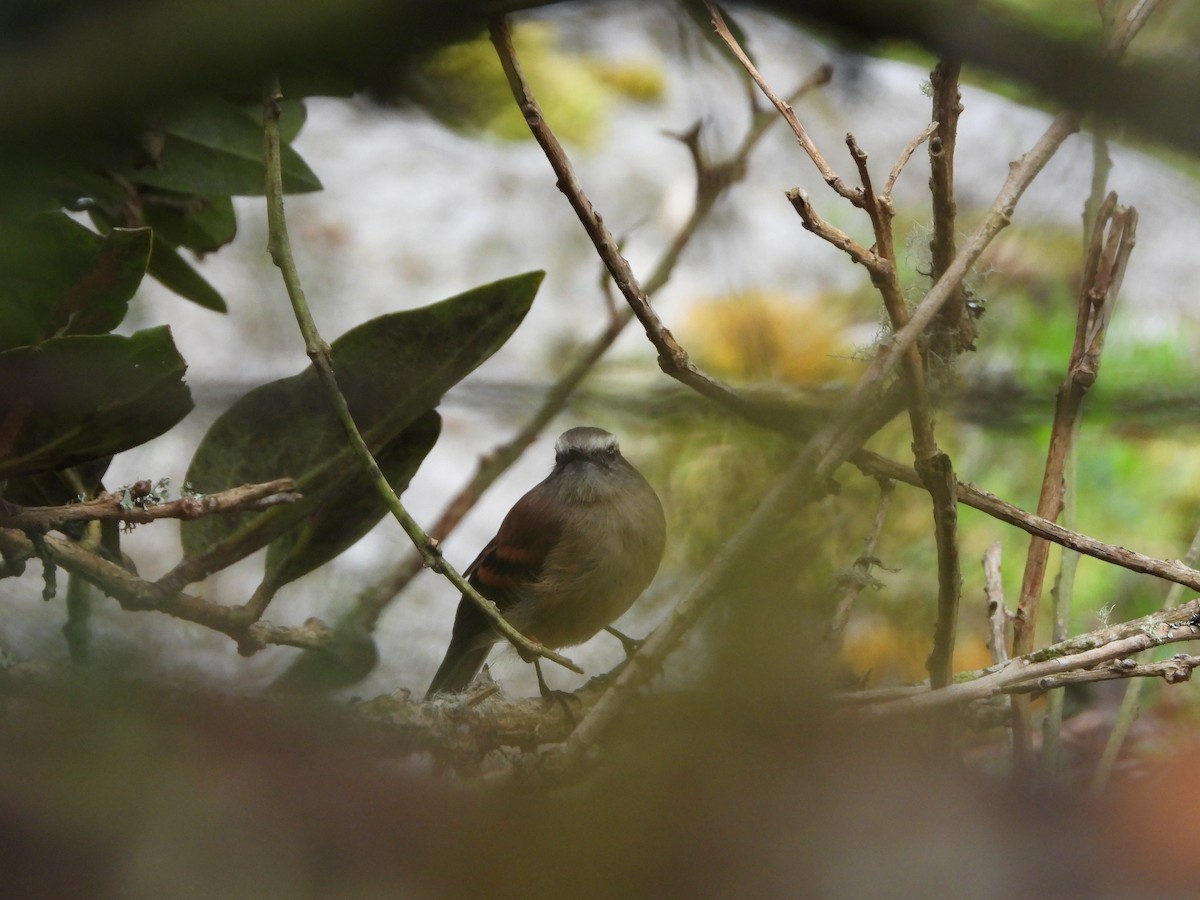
x=174, y=272
x=215, y=148
x=58, y=277
x=79, y=398
x=347, y=659
x=203, y=224
x=391, y=370
x=292, y=116
x=337, y=523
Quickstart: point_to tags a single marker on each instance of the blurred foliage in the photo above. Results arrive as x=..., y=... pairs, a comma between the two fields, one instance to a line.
x=464, y=86
x=84, y=397
x=1066, y=19
x=76, y=393
x=1139, y=421
x=1169, y=39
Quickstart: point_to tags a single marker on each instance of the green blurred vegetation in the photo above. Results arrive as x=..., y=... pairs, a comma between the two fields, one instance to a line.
x=1138, y=461
x=465, y=88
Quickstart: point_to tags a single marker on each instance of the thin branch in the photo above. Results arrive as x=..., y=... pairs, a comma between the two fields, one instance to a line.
x=876, y=466
x=329, y=475
x=999, y=215
x=997, y=613
x=859, y=575
x=136, y=594
x=1175, y=670
x=813, y=222
x=937, y=475
x=1063, y=592
x=953, y=330
x=905, y=156
x=1127, y=30
x=672, y=358
x=933, y=465
x=1112, y=240
x=827, y=173
x=1131, y=702
x=279, y=246
x=998, y=618
x=1086, y=651
x=138, y=504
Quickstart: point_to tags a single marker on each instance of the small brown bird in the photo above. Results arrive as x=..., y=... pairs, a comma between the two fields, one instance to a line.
x=570, y=557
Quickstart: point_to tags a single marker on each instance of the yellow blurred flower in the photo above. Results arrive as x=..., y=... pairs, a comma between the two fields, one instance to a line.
x=759, y=336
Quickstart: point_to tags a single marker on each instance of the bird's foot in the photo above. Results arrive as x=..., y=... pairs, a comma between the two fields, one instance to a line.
x=562, y=698
x=631, y=645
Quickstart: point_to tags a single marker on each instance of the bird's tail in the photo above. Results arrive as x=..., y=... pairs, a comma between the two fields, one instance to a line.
x=462, y=663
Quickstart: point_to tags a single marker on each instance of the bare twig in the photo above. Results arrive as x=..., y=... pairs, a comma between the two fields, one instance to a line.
x=905, y=156
x=813, y=222
x=997, y=218
x=827, y=173
x=971, y=495
x=937, y=474
x=1062, y=597
x=997, y=613
x=1175, y=670
x=137, y=504
x=279, y=247
x=1132, y=699
x=998, y=618
x=999, y=214
x=1063, y=592
x=1127, y=29
x=1086, y=651
x=934, y=466
x=135, y=594
x=953, y=330
x=859, y=575
x=672, y=358
x=1112, y=241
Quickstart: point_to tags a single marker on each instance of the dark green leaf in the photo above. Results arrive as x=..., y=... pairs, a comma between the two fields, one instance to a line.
x=58, y=277
x=391, y=370
x=347, y=659
x=60, y=487
x=79, y=398
x=215, y=148
x=335, y=524
x=198, y=223
x=292, y=116
x=174, y=272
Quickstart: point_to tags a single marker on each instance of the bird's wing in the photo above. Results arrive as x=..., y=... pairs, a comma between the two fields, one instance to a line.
x=516, y=556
